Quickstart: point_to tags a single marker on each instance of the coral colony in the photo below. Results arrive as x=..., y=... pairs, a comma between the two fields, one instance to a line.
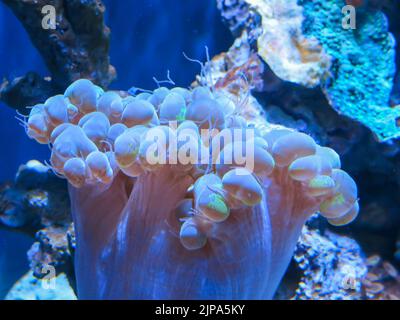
x=177, y=193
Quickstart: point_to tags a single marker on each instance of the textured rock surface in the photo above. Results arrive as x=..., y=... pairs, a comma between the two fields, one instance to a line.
x=31, y=288
x=291, y=55
x=52, y=248
x=363, y=67
x=332, y=267
x=77, y=48
x=329, y=266
x=304, y=42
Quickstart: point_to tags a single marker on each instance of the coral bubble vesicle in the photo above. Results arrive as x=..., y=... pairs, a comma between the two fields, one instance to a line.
x=182, y=185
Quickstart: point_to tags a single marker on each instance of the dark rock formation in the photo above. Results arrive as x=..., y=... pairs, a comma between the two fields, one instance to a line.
x=76, y=48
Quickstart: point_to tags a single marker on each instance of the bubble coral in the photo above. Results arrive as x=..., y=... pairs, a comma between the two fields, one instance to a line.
x=148, y=228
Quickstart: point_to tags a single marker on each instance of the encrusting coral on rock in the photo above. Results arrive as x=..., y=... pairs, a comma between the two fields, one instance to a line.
x=332, y=267
x=363, y=68
x=304, y=42
x=51, y=249
x=36, y=198
x=186, y=187
x=291, y=55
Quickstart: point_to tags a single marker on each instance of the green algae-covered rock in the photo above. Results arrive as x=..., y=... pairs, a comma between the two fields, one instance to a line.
x=363, y=64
